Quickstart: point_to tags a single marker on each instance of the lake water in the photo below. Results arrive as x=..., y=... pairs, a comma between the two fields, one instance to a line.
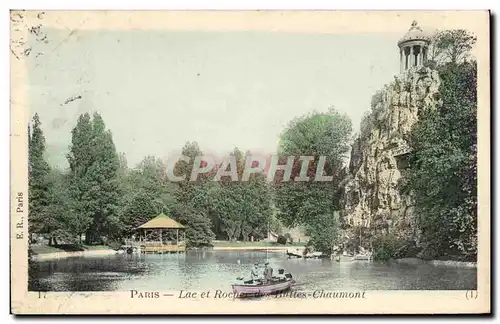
x=205, y=270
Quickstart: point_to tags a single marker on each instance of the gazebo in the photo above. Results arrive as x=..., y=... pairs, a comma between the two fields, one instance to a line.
x=161, y=235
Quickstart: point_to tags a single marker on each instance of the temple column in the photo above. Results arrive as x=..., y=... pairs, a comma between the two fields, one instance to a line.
x=412, y=58
x=402, y=58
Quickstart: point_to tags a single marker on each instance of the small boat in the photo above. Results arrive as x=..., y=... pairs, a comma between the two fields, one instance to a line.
x=362, y=257
x=316, y=255
x=254, y=288
x=294, y=254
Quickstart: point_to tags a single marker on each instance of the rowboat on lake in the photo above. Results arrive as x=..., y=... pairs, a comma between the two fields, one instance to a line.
x=260, y=287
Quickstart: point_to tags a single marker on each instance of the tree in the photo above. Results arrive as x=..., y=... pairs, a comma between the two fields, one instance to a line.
x=94, y=166
x=198, y=232
x=324, y=232
x=64, y=222
x=452, y=46
x=80, y=160
x=149, y=176
x=186, y=188
x=194, y=195
x=281, y=239
x=314, y=203
x=38, y=180
x=142, y=208
x=242, y=209
x=443, y=166
x=315, y=134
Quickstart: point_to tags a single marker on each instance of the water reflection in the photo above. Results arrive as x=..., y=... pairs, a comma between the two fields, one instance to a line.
x=204, y=270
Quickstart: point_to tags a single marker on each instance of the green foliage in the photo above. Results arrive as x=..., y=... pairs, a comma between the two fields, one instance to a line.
x=389, y=246
x=94, y=166
x=366, y=124
x=443, y=167
x=274, y=223
x=241, y=209
x=145, y=184
x=316, y=134
x=324, y=233
x=39, y=182
x=142, y=208
x=63, y=224
x=198, y=232
x=313, y=203
x=115, y=245
x=377, y=98
x=452, y=46
x=194, y=199
x=281, y=240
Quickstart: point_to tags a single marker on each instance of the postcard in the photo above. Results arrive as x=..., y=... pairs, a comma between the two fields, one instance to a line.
x=250, y=162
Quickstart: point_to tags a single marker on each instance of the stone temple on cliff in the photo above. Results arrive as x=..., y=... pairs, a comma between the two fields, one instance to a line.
x=372, y=198
x=413, y=48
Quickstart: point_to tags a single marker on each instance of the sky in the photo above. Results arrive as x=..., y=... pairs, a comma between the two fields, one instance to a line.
x=158, y=89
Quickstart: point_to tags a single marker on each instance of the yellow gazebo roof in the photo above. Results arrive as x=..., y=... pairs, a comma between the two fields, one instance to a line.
x=161, y=221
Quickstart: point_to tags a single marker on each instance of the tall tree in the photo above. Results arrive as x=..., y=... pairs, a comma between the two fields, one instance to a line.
x=149, y=175
x=186, y=188
x=241, y=209
x=443, y=166
x=94, y=166
x=316, y=134
x=143, y=207
x=38, y=180
x=63, y=221
x=80, y=160
x=198, y=232
x=194, y=195
x=452, y=46
x=324, y=233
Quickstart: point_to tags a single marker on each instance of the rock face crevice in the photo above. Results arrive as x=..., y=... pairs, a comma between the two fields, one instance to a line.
x=371, y=195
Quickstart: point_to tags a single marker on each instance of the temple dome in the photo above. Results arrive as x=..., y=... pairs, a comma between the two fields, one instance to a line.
x=414, y=33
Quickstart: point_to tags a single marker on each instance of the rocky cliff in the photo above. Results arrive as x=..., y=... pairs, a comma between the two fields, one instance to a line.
x=371, y=195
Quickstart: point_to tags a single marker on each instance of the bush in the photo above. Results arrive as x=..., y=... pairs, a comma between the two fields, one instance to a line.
x=281, y=239
x=115, y=245
x=390, y=247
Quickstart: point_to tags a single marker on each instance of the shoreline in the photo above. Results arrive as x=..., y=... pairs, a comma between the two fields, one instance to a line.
x=447, y=263
x=107, y=252
x=256, y=248
x=63, y=255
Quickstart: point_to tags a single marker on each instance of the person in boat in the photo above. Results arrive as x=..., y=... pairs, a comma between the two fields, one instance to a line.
x=281, y=274
x=268, y=272
x=254, y=274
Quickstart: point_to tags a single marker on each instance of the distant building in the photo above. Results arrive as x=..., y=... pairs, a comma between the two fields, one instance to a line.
x=271, y=237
